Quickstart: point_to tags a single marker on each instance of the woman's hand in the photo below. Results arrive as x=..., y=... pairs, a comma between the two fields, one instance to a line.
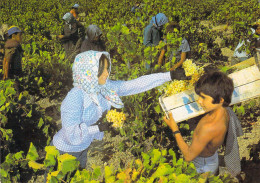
x=104, y=126
x=179, y=74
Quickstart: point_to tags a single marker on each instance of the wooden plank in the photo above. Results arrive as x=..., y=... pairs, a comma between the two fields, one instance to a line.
x=245, y=76
x=179, y=99
x=184, y=106
x=245, y=92
x=244, y=64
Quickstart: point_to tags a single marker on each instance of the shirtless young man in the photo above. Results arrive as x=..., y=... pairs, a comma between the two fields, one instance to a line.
x=215, y=92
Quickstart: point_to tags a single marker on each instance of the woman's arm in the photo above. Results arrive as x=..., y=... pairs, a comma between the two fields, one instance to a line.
x=139, y=85
x=71, y=117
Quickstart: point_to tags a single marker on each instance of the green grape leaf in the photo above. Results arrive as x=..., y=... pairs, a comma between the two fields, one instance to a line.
x=29, y=114
x=19, y=155
x=67, y=163
x=125, y=30
x=111, y=179
x=164, y=152
x=3, y=173
x=40, y=81
x=51, y=154
x=108, y=171
x=2, y=100
x=96, y=172
x=183, y=178
x=157, y=109
x=162, y=170
x=32, y=153
x=41, y=122
x=156, y=155
x=10, y=91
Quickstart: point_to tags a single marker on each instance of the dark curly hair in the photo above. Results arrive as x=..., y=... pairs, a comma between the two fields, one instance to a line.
x=217, y=85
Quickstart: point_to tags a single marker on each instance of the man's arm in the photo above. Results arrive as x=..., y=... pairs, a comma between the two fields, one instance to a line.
x=160, y=59
x=183, y=58
x=184, y=48
x=199, y=141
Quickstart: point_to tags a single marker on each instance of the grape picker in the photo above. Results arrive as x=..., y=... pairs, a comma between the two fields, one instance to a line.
x=72, y=36
x=181, y=53
x=219, y=126
x=93, y=95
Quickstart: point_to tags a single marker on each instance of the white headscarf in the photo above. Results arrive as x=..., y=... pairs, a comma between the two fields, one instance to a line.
x=85, y=76
x=69, y=19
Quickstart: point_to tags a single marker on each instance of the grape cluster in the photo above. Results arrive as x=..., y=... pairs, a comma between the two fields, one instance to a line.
x=177, y=86
x=117, y=118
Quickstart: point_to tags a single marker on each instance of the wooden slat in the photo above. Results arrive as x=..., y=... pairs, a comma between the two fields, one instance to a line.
x=245, y=76
x=242, y=65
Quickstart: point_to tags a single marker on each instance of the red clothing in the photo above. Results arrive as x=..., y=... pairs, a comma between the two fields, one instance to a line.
x=12, y=64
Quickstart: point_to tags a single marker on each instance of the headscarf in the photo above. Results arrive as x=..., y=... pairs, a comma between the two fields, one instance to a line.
x=69, y=19
x=85, y=76
x=159, y=20
x=93, y=31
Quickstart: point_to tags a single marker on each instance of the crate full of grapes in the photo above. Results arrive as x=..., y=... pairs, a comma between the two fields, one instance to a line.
x=180, y=98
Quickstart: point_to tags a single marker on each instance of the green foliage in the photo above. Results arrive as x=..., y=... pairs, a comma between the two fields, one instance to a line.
x=172, y=171
x=248, y=109
x=11, y=168
x=21, y=122
x=48, y=74
x=63, y=167
x=32, y=153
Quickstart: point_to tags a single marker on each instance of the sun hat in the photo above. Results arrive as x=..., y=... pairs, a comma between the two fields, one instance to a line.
x=75, y=6
x=12, y=30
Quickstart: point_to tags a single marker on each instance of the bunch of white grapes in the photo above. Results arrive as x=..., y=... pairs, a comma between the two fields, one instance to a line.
x=117, y=118
x=189, y=67
x=177, y=86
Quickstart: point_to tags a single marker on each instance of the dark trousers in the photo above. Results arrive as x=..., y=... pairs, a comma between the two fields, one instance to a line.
x=81, y=156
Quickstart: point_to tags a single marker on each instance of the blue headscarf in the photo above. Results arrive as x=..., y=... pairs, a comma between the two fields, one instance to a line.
x=159, y=20
x=85, y=76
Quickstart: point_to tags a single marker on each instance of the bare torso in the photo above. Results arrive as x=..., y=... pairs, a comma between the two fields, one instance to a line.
x=216, y=125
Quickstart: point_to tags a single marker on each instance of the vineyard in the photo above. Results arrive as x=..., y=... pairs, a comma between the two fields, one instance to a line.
x=141, y=148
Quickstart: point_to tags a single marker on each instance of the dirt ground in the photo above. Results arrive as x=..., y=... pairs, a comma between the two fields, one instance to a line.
x=249, y=148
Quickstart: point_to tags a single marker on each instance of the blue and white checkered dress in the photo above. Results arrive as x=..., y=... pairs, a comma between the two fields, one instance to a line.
x=77, y=133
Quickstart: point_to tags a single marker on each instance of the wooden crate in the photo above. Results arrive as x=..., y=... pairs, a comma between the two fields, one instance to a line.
x=184, y=106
